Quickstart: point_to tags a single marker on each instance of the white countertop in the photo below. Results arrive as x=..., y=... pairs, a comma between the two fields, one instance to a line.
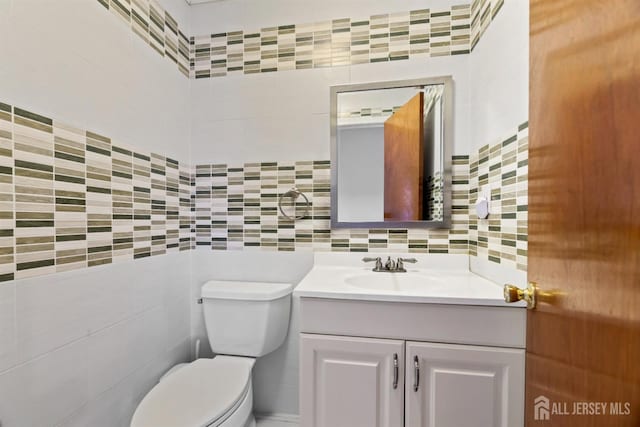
x=435, y=279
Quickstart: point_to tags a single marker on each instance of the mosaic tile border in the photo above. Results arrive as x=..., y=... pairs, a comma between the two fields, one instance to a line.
x=71, y=198
x=503, y=169
x=236, y=209
x=482, y=13
x=156, y=27
x=338, y=42
x=420, y=33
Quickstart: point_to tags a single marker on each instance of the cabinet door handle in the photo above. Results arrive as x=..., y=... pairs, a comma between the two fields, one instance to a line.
x=395, y=370
x=416, y=373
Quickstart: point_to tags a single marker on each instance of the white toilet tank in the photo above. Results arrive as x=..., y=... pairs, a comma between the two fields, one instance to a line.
x=246, y=318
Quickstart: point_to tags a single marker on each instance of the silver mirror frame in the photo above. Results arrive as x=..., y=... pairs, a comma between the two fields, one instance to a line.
x=447, y=150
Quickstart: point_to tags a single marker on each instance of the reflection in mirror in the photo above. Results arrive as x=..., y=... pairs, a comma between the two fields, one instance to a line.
x=389, y=144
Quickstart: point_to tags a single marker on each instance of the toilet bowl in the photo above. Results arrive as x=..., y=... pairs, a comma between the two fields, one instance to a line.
x=244, y=320
x=207, y=392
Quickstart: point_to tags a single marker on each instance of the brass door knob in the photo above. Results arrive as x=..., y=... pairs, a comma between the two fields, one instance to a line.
x=514, y=294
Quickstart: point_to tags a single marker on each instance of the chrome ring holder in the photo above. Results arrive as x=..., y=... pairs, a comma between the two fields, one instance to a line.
x=293, y=194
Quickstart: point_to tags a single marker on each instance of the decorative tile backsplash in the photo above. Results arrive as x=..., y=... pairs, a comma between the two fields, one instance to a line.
x=155, y=26
x=344, y=41
x=236, y=208
x=482, y=13
x=501, y=169
x=70, y=198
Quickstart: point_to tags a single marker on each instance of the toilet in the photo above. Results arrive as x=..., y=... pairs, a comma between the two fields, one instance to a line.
x=244, y=320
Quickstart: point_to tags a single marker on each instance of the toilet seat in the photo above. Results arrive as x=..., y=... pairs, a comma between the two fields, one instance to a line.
x=204, y=393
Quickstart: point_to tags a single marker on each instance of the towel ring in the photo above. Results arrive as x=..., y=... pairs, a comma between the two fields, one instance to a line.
x=294, y=193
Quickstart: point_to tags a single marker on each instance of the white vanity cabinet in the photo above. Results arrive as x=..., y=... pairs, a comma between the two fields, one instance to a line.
x=352, y=382
x=457, y=366
x=366, y=382
x=463, y=385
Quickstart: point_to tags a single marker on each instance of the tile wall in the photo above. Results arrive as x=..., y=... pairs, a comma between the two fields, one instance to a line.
x=482, y=13
x=155, y=26
x=501, y=169
x=70, y=198
x=344, y=41
x=339, y=42
x=236, y=208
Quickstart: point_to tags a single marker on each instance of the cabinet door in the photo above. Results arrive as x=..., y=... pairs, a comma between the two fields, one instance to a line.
x=462, y=385
x=351, y=382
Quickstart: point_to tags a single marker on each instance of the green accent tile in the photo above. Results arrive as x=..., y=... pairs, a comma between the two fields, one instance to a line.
x=34, y=264
x=32, y=116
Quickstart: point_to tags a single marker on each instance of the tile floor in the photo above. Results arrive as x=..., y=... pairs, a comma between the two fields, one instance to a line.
x=272, y=423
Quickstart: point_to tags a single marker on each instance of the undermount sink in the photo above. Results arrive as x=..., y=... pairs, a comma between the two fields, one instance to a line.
x=394, y=282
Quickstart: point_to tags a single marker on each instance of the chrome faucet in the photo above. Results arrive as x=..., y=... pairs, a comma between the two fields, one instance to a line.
x=390, y=266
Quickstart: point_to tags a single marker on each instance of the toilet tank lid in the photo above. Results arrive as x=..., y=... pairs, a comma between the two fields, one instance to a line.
x=240, y=290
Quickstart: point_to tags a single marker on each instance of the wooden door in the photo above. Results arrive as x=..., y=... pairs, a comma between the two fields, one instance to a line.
x=462, y=385
x=403, y=162
x=351, y=382
x=584, y=211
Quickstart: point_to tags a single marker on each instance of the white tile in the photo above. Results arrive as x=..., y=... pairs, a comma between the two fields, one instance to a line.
x=112, y=408
x=116, y=352
x=7, y=325
x=51, y=311
x=106, y=81
x=110, y=358
x=148, y=336
x=45, y=391
x=148, y=289
x=278, y=397
x=246, y=15
x=110, y=289
x=234, y=120
x=177, y=318
x=499, y=75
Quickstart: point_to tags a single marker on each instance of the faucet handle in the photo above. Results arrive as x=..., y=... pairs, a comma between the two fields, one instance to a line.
x=377, y=260
x=401, y=261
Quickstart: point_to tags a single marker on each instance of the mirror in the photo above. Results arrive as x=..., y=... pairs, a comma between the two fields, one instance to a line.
x=391, y=154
